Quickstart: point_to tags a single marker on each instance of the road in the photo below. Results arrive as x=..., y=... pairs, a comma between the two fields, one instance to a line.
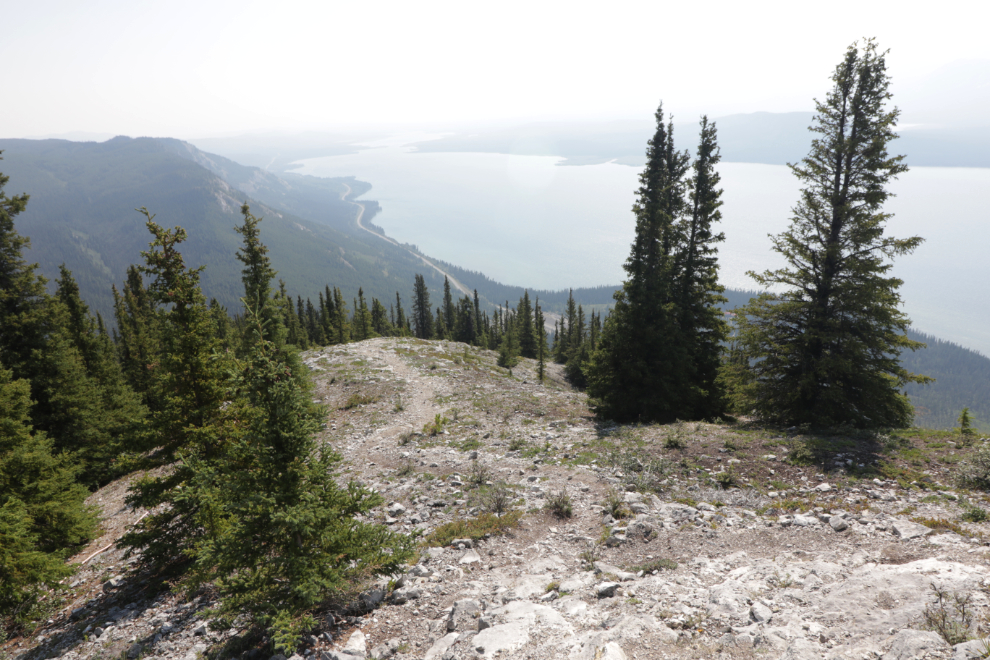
x=457, y=285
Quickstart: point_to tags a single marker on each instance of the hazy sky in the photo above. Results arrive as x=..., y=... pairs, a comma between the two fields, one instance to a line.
x=200, y=68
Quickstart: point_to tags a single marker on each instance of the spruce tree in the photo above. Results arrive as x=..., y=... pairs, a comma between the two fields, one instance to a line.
x=121, y=414
x=422, y=316
x=380, y=323
x=401, y=322
x=541, y=341
x=341, y=326
x=823, y=348
x=43, y=516
x=527, y=333
x=635, y=373
x=281, y=536
x=192, y=382
x=448, y=305
x=257, y=277
x=137, y=335
x=363, y=323
x=703, y=329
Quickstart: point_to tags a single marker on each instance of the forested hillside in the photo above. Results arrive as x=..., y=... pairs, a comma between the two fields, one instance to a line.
x=962, y=380
x=83, y=197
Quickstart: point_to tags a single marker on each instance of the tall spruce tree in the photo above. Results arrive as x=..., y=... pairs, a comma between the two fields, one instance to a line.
x=642, y=361
x=527, y=333
x=137, y=335
x=699, y=295
x=121, y=414
x=448, y=305
x=192, y=380
x=824, y=350
x=422, y=315
x=541, y=342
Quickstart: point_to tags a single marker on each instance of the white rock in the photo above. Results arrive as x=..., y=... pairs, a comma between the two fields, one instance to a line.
x=971, y=650
x=357, y=644
x=760, y=613
x=915, y=645
x=440, y=646
x=802, y=649
x=464, y=615
x=908, y=530
x=838, y=524
x=470, y=557
x=196, y=652
x=610, y=651
x=823, y=488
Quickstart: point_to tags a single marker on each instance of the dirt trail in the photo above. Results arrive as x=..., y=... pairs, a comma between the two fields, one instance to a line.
x=419, y=404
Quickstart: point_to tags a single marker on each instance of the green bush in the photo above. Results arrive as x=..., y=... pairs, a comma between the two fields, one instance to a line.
x=559, y=504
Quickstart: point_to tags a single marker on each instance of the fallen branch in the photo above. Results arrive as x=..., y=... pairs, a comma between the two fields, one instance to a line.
x=110, y=545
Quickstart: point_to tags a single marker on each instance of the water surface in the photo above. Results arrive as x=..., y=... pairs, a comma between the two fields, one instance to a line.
x=524, y=220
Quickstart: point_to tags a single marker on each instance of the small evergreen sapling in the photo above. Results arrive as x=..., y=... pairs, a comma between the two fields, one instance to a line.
x=965, y=422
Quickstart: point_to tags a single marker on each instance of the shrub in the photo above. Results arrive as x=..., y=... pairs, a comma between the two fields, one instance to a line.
x=436, y=426
x=560, y=505
x=950, y=616
x=615, y=505
x=358, y=399
x=965, y=422
x=974, y=514
x=480, y=474
x=517, y=444
x=662, y=564
x=975, y=469
x=499, y=498
x=726, y=480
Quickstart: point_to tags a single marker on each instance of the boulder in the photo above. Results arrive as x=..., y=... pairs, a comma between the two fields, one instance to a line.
x=404, y=595
x=915, y=645
x=908, y=530
x=838, y=524
x=760, y=613
x=464, y=616
x=196, y=652
x=610, y=651
x=385, y=649
x=470, y=557
x=606, y=589
x=357, y=645
x=639, y=529
x=971, y=650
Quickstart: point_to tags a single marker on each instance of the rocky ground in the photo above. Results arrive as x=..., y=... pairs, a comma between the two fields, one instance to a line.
x=700, y=540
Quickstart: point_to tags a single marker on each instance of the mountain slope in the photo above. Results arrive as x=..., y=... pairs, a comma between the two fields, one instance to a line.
x=83, y=197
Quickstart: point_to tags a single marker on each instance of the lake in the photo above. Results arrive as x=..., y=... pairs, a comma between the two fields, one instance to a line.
x=525, y=220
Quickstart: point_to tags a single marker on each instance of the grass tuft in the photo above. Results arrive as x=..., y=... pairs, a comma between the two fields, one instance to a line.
x=485, y=525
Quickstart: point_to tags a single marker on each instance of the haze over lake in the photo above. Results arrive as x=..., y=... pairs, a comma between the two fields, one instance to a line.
x=526, y=220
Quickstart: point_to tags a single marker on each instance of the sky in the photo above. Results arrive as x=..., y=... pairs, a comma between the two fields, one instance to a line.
x=192, y=69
